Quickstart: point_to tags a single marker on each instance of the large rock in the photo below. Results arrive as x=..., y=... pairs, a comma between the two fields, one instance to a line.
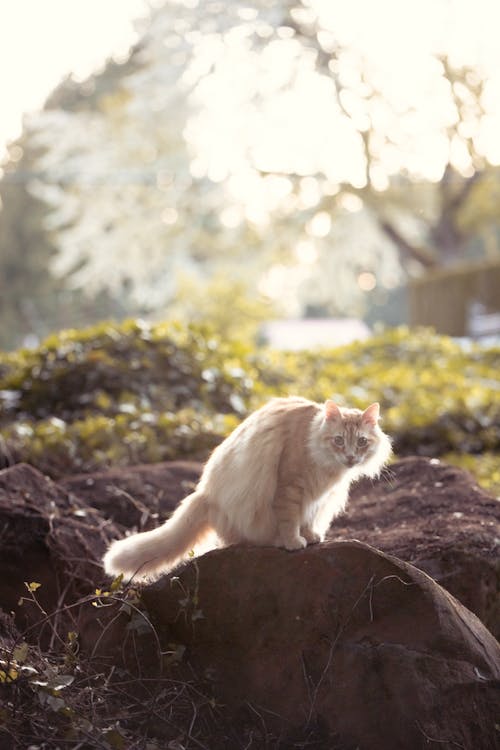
x=339, y=638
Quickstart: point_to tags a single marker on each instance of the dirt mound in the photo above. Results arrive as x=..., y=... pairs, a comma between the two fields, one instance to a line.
x=137, y=496
x=436, y=517
x=48, y=538
x=423, y=511
x=259, y=647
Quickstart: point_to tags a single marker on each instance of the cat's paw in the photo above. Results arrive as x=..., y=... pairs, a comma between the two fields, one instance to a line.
x=298, y=542
x=312, y=537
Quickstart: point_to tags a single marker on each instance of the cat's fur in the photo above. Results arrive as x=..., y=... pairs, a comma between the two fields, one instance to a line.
x=278, y=479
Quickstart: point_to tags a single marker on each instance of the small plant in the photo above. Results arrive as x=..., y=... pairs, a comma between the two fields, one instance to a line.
x=50, y=699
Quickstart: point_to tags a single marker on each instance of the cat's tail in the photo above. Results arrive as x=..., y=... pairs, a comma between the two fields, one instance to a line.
x=144, y=556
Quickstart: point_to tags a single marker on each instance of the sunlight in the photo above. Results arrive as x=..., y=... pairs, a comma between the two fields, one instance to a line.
x=295, y=102
x=232, y=133
x=297, y=127
x=42, y=42
x=320, y=225
x=306, y=252
x=367, y=281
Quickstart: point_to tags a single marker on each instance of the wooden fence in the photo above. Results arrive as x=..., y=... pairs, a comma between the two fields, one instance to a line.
x=459, y=301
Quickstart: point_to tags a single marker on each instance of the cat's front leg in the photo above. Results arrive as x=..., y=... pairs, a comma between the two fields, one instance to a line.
x=287, y=505
x=292, y=541
x=311, y=536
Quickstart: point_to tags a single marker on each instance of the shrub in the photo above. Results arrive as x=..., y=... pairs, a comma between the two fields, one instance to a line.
x=137, y=392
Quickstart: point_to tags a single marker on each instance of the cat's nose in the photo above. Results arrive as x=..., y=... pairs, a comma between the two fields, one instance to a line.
x=350, y=460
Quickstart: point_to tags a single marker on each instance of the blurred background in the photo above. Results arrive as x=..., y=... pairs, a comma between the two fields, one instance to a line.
x=302, y=171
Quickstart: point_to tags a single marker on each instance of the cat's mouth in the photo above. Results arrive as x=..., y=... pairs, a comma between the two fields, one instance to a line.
x=350, y=461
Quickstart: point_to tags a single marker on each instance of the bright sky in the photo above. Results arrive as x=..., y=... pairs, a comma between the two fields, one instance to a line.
x=41, y=41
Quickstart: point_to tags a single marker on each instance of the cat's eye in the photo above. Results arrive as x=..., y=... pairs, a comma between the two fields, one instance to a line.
x=338, y=440
x=362, y=441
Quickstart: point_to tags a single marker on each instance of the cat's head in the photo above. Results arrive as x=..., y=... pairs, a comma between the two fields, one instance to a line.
x=353, y=436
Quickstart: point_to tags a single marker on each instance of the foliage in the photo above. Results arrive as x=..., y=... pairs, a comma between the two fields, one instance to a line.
x=115, y=395
x=138, y=392
x=436, y=395
x=277, y=134
x=227, y=304
x=485, y=467
x=33, y=301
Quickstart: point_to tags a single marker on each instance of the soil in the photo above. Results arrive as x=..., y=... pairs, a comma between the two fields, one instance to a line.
x=421, y=510
x=314, y=648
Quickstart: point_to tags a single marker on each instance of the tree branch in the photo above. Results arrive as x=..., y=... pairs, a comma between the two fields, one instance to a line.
x=406, y=249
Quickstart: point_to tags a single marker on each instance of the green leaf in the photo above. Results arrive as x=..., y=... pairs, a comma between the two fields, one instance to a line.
x=117, y=583
x=33, y=586
x=8, y=675
x=115, y=739
x=21, y=652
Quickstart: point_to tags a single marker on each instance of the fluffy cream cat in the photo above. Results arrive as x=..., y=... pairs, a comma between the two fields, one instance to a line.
x=278, y=479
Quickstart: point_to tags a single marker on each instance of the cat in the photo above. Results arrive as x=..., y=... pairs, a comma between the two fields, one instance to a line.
x=278, y=479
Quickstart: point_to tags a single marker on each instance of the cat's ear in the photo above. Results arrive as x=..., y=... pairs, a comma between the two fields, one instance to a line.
x=332, y=411
x=371, y=415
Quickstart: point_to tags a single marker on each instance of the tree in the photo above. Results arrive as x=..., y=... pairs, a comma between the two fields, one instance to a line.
x=33, y=301
x=446, y=237
x=270, y=144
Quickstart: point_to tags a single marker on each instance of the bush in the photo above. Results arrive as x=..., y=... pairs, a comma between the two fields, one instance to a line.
x=142, y=393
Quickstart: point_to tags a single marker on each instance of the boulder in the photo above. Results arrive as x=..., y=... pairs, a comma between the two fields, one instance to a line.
x=339, y=638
